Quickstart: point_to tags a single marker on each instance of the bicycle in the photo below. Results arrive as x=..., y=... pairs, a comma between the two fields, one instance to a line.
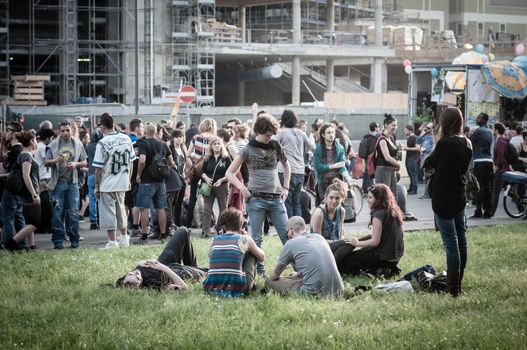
x=355, y=188
x=515, y=198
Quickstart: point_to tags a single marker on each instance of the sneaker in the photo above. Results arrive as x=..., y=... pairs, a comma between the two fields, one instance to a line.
x=94, y=226
x=81, y=218
x=135, y=232
x=110, y=245
x=74, y=244
x=124, y=241
x=58, y=246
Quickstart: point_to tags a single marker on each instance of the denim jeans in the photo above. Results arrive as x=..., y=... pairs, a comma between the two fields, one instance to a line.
x=258, y=209
x=93, y=199
x=453, y=235
x=12, y=215
x=66, y=210
x=412, y=166
x=367, y=181
x=292, y=203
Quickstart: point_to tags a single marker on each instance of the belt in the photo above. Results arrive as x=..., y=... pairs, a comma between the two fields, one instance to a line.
x=265, y=195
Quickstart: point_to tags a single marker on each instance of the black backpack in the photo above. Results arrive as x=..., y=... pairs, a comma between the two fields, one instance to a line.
x=159, y=169
x=363, y=147
x=511, y=155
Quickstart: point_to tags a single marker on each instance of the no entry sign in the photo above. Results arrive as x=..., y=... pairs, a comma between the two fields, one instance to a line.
x=187, y=94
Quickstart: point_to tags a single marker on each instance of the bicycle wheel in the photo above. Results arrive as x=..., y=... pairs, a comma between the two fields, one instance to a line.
x=359, y=198
x=514, y=201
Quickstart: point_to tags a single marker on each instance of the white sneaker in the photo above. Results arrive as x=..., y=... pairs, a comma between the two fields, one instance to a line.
x=111, y=245
x=124, y=241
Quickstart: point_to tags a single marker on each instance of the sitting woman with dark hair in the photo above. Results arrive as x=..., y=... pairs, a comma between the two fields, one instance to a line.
x=233, y=257
x=384, y=247
x=167, y=271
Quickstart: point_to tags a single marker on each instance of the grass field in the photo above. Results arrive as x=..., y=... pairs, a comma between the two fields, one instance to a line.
x=66, y=300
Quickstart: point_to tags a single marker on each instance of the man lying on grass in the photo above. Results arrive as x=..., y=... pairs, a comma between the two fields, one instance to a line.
x=167, y=271
x=315, y=273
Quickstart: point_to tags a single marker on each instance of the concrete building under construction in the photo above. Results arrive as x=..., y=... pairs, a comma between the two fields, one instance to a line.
x=235, y=52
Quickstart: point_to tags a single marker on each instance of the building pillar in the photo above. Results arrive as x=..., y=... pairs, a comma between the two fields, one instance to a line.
x=241, y=23
x=379, y=76
x=330, y=75
x=241, y=93
x=330, y=17
x=297, y=40
x=378, y=23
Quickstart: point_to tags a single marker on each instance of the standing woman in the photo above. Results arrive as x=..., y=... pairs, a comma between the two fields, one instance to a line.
x=196, y=151
x=177, y=148
x=329, y=160
x=385, y=162
x=384, y=247
x=30, y=199
x=450, y=160
x=214, y=167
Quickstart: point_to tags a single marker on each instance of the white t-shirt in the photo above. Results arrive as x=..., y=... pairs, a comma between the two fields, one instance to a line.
x=115, y=155
x=517, y=142
x=40, y=155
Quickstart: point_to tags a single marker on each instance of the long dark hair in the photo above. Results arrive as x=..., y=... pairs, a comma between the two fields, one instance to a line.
x=322, y=140
x=451, y=122
x=384, y=199
x=288, y=119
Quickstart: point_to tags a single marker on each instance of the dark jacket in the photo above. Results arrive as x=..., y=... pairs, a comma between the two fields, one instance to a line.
x=481, y=140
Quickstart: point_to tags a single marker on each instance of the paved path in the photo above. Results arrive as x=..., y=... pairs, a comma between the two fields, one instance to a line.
x=421, y=208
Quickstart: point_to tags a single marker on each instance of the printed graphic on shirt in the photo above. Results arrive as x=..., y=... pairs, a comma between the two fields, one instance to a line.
x=114, y=153
x=67, y=150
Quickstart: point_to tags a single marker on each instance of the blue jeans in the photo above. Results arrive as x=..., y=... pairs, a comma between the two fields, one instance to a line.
x=453, y=235
x=292, y=203
x=258, y=209
x=66, y=210
x=367, y=181
x=412, y=166
x=93, y=199
x=154, y=192
x=12, y=216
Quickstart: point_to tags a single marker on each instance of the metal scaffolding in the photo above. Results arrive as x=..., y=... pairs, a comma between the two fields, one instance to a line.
x=4, y=48
x=193, y=60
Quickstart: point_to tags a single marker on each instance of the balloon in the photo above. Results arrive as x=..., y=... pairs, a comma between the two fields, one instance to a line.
x=434, y=72
x=479, y=48
x=407, y=62
x=485, y=59
x=520, y=49
x=491, y=56
x=408, y=69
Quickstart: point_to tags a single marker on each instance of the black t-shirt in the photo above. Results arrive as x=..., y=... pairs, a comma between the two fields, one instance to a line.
x=12, y=156
x=450, y=160
x=149, y=147
x=392, y=150
x=391, y=246
x=411, y=141
x=33, y=174
x=211, y=162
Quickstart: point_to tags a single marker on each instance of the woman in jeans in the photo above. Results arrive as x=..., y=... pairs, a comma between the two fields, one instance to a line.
x=264, y=194
x=386, y=164
x=196, y=150
x=175, y=199
x=214, y=167
x=449, y=161
x=30, y=199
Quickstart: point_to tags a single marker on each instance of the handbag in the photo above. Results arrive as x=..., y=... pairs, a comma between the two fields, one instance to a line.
x=205, y=189
x=15, y=182
x=472, y=182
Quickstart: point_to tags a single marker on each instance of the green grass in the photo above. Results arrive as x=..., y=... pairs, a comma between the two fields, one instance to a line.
x=64, y=300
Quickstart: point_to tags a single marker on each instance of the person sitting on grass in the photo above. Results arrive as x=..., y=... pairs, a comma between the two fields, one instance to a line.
x=233, y=257
x=176, y=263
x=315, y=273
x=328, y=218
x=384, y=247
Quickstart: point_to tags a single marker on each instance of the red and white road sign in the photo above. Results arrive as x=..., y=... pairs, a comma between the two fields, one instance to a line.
x=187, y=94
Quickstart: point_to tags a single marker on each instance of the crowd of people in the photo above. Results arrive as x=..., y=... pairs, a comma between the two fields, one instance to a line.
x=159, y=181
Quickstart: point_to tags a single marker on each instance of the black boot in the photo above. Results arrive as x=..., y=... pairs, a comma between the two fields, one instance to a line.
x=11, y=245
x=452, y=283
